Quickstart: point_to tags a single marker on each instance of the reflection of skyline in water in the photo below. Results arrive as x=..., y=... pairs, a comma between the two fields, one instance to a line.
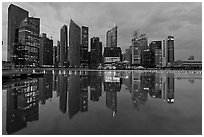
x=74, y=89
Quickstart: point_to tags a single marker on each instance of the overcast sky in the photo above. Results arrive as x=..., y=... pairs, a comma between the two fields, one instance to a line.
x=156, y=20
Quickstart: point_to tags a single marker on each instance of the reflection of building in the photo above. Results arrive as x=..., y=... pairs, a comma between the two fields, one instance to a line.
x=46, y=51
x=45, y=87
x=74, y=44
x=168, y=87
x=22, y=105
x=156, y=84
x=95, y=85
x=83, y=92
x=74, y=94
x=15, y=17
x=112, y=85
x=139, y=91
x=63, y=93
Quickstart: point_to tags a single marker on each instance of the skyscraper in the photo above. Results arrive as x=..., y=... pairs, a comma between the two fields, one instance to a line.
x=63, y=47
x=55, y=56
x=15, y=17
x=156, y=48
x=96, y=52
x=111, y=37
x=111, y=56
x=46, y=51
x=139, y=44
x=84, y=47
x=26, y=50
x=74, y=44
x=168, y=51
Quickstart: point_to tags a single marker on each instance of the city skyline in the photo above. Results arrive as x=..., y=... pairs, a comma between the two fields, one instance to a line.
x=185, y=26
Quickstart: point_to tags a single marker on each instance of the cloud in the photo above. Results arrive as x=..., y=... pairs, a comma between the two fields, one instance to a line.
x=156, y=20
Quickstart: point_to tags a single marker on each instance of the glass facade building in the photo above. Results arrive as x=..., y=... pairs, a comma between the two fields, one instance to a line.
x=74, y=44
x=63, y=56
x=46, y=51
x=15, y=17
x=96, y=52
x=139, y=44
x=168, y=51
x=84, y=47
x=111, y=37
x=26, y=51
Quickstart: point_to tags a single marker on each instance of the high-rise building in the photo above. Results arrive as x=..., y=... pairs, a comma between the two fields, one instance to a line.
x=26, y=50
x=58, y=53
x=111, y=56
x=100, y=53
x=111, y=37
x=63, y=47
x=15, y=16
x=46, y=51
x=127, y=55
x=84, y=47
x=55, y=56
x=148, y=58
x=168, y=51
x=74, y=44
x=139, y=44
x=96, y=52
x=156, y=48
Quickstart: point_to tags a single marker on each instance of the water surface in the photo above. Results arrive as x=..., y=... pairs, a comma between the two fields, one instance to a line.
x=103, y=102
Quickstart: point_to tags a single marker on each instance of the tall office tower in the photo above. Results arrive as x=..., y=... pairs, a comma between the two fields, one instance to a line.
x=148, y=59
x=84, y=47
x=111, y=56
x=26, y=51
x=55, y=56
x=111, y=37
x=95, y=53
x=139, y=44
x=100, y=53
x=127, y=55
x=74, y=44
x=63, y=47
x=168, y=51
x=15, y=17
x=156, y=48
x=58, y=53
x=46, y=51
